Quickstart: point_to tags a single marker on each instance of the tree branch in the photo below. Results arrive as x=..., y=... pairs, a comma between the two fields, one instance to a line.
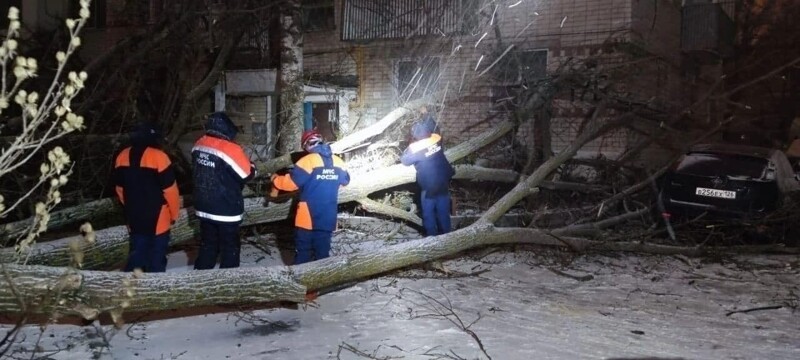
x=379, y=208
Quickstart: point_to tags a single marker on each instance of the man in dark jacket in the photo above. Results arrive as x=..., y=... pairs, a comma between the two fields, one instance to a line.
x=221, y=168
x=145, y=185
x=433, y=175
x=318, y=177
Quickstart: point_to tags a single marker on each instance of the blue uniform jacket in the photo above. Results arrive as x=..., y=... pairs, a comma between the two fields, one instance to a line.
x=221, y=168
x=318, y=177
x=433, y=170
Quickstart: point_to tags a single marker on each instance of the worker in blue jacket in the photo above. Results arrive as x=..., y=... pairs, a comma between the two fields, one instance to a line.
x=434, y=172
x=317, y=177
x=221, y=169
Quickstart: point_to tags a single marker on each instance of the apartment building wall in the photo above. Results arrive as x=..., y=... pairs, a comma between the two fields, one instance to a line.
x=565, y=29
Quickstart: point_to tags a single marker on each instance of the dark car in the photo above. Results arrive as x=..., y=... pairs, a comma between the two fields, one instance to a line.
x=733, y=180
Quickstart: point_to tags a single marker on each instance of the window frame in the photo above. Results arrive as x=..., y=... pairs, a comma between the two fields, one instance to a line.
x=401, y=87
x=321, y=8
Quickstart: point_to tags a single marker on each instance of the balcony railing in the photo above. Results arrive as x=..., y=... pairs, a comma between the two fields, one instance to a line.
x=396, y=19
x=707, y=30
x=256, y=38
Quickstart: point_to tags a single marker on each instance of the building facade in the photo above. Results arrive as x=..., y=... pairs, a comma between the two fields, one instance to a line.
x=403, y=49
x=363, y=58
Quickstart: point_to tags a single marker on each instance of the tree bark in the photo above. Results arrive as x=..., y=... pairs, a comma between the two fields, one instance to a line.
x=41, y=290
x=44, y=289
x=291, y=79
x=379, y=208
x=60, y=218
x=542, y=147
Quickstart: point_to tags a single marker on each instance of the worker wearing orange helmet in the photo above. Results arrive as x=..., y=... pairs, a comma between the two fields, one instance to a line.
x=317, y=177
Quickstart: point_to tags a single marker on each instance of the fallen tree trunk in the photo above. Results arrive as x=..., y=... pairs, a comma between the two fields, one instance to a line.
x=110, y=247
x=110, y=207
x=342, y=269
x=44, y=290
x=35, y=290
x=391, y=211
x=60, y=218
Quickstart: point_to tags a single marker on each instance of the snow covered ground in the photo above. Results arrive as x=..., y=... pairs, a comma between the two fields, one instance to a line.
x=532, y=304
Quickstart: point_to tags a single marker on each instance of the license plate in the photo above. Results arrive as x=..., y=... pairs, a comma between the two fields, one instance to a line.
x=723, y=194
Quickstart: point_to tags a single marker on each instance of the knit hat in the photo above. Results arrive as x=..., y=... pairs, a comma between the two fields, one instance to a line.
x=145, y=134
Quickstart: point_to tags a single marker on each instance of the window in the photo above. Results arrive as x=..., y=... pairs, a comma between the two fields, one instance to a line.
x=256, y=38
x=318, y=15
x=416, y=78
x=4, y=6
x=523, y=66
x=533, y=64
x=97, y=8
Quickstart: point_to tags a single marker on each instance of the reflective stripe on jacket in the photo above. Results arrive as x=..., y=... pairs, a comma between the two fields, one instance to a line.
x=221, y=168
x=318, y=176
x=145, y=184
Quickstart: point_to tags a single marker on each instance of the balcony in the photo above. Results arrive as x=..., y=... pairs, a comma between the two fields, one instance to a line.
x=707, y=31
x=365, y=20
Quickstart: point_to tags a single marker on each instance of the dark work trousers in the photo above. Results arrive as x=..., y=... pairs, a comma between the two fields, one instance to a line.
x=311, y=245
x=148, y=252
x=435, y=213
x=218, y=239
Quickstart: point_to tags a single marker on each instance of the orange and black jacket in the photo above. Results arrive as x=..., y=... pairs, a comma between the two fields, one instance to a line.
x=318, y=177
x=145, y=184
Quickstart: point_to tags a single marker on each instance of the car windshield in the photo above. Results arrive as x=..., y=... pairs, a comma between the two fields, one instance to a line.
x=709, y=164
